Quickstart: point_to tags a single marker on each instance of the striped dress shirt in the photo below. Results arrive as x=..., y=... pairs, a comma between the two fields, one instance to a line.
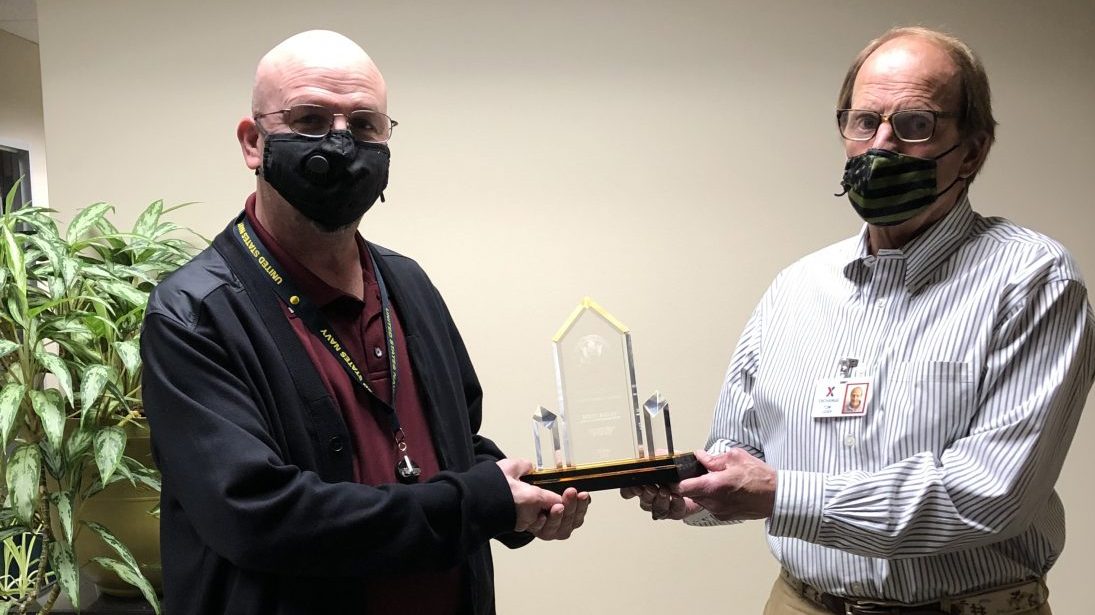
x=979, y=343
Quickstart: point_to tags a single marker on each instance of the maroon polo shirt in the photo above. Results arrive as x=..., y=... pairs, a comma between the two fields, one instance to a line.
x=359, y=327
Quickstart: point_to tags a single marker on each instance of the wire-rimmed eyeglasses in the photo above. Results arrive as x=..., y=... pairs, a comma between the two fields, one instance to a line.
x=316, y=121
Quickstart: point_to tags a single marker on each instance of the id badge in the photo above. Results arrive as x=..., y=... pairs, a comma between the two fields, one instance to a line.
x=837, y=397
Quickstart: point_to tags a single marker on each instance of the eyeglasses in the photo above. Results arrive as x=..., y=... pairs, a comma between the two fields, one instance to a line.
x=316, y=121
x=910, y=126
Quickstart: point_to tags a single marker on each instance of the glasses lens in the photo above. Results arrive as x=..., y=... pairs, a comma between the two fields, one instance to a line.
x=310, y=120
x=858, y=125
x=913, y=126
x=370, y=126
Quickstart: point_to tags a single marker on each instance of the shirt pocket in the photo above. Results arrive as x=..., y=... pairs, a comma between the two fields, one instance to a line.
x=927, y=405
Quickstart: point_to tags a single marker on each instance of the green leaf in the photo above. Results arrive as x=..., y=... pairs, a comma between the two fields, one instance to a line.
x=149, y=219
x=58, y=368
x=112, y=541
x=62, y=501
x=53, y=419
x=10, y=398
x=17, y=310
x=5, y=607
x=129, y=351
x=70, y=271
x=92, y=382
x=133, y=576
x=78, y=443
x=124, y=291
x=85, y=220
x=9, y=198
x=148, y=477
x=63, y=563
x=52, y=459
x=24, y=471
x=13, y=253
x=51, y=249
x=7, y=346
x=109, y=449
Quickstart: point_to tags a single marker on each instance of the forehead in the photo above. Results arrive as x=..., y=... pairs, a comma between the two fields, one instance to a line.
x=904, y=73
x=346, y=87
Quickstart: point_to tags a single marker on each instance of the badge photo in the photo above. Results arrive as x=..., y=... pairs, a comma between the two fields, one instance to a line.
x=855, y=398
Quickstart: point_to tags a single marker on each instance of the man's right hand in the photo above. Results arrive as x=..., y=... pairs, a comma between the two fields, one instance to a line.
x=533, y=504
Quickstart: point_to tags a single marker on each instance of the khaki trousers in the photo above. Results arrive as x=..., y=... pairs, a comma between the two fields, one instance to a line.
x=784, y=600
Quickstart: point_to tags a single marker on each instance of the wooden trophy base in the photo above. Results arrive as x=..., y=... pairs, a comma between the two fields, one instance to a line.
x=661, y=469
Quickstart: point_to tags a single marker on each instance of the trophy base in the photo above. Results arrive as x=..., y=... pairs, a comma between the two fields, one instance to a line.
x=661, y=469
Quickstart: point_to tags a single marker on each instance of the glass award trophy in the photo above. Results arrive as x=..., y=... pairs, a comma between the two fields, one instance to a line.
x=601, y=437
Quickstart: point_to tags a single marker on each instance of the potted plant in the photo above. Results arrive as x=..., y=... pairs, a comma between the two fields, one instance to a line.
x=71, y=307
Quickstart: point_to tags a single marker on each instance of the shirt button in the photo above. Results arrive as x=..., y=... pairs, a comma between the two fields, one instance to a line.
x=880, y=304
x=335, y=443
x=378, y=351
x=849, y=440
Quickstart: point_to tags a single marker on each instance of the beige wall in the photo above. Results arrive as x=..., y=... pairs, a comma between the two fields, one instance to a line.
x=667, y=158
x=21, y=108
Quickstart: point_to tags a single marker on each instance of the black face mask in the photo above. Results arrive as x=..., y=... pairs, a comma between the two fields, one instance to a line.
x=332, y=180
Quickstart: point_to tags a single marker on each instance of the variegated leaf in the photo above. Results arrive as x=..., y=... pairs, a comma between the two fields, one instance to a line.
x=51, y=249
x=62, y=562
x=129, y=351
x=85, y=220
x=112, y=541
x=70, y=271
x=10, y=398
x=109, y=448
x=92, y=383
x=7, y=346
x=148, y=477
x=53, y=419
x=59, y=369
x=16, y=310
x=62, y=501
x=77, y=443
x=13, y=254
x=133, y=576
x=133, y=295
x=24, y=472
x=149, y=219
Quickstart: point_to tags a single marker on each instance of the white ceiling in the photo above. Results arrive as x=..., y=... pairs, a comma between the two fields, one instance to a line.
x=20, y=17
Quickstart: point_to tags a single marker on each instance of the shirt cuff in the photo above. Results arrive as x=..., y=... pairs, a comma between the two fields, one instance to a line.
x=800, y=499
x=704, y=518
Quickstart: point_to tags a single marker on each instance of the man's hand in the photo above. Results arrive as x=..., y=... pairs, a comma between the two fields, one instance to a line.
x=737, y=486
x=661, y=501
x=546, y=515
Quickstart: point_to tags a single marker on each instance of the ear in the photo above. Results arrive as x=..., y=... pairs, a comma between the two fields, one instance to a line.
x=248, y=134
x=976, y=154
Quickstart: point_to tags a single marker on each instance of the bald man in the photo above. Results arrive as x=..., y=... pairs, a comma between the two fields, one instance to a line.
x=313, y=409
x=973, y=335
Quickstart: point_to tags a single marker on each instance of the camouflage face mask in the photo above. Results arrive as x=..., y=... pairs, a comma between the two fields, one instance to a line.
x=888, y=188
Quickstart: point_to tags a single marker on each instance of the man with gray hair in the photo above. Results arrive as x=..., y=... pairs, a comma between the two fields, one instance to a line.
x=313, y=409
x=972, y=341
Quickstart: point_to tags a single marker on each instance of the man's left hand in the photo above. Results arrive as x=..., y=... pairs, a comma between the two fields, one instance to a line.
x=564, y=518
x=737, y=486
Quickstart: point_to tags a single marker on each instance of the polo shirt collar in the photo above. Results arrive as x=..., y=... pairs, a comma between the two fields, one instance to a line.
x=319, y=292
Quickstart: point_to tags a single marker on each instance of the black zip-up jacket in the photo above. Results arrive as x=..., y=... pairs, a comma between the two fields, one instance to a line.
x=259, y=511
